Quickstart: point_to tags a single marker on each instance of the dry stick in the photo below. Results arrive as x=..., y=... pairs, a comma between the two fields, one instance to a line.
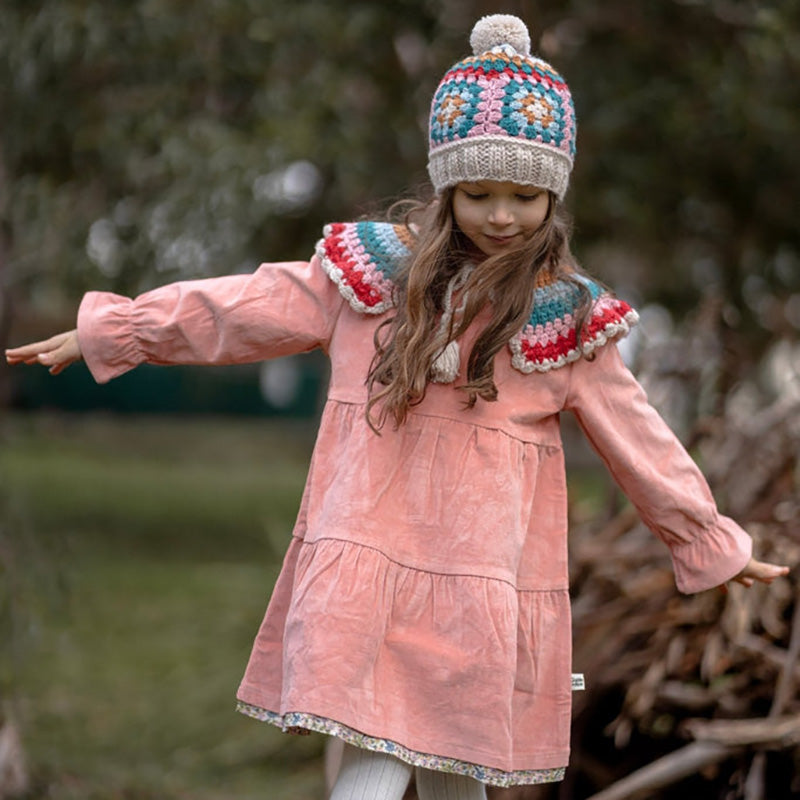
x=667, y=770
x=785, y=687
x=754, y=785
x=756, y=777
x=771, y=733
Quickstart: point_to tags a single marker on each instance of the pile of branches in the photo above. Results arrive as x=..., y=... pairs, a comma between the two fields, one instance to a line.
x=704, y=689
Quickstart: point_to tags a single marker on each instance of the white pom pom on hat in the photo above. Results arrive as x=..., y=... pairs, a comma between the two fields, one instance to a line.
x=499, y=29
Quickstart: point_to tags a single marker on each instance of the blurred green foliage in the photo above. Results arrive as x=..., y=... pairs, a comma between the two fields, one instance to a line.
x=158, y=139
x=131, y=589
x=691, y=114
x=166, y=139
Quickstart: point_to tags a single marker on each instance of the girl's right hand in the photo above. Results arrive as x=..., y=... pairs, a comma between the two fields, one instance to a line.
x=57, y=352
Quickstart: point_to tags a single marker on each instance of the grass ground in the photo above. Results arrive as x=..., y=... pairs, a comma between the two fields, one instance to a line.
x=139, y=557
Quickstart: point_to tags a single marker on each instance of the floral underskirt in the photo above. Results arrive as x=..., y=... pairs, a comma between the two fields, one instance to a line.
x=488, y=775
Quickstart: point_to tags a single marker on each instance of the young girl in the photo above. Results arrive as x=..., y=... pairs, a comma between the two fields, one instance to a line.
x=422, y=614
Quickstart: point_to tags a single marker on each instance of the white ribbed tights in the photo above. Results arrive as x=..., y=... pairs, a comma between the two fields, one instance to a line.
x=365, y=775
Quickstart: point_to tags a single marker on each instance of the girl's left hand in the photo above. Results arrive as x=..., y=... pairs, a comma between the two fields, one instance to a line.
x=760, y=571
x=57, y=352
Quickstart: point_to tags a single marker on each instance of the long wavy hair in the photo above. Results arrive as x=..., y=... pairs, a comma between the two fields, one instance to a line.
x=406, y=344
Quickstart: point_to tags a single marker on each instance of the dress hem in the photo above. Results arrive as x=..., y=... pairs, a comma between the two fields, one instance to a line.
x=488, y=775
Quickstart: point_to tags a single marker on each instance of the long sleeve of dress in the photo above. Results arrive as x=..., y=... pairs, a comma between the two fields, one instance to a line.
x=277, y=310
x=656, y=473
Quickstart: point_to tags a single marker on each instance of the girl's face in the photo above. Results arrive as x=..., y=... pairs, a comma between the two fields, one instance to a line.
x=497, y=216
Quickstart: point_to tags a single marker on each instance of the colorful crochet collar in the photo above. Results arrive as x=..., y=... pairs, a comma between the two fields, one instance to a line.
x=362, y=258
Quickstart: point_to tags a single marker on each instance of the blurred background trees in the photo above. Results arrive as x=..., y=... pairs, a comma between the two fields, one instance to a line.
x=142, y=142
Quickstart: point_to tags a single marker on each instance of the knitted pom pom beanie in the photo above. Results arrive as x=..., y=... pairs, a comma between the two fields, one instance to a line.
x=502, y=114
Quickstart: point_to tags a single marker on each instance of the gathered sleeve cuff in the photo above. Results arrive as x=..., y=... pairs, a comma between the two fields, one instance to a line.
x=277, y=310
x=656, y=473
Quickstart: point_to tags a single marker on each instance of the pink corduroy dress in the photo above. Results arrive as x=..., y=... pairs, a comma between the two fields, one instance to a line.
x=423, y=606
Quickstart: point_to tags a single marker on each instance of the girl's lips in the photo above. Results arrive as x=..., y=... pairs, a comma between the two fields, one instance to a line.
x=501, y=239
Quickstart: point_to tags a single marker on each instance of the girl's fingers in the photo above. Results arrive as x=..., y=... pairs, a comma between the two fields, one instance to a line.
x=30, y=352
x=67, y=354
x=769, y=572
x=21, y=355
x=760, y=571
x=21, y=359
x=57, y=352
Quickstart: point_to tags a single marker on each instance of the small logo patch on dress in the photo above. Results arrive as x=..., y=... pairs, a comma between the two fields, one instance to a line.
x=578, y=683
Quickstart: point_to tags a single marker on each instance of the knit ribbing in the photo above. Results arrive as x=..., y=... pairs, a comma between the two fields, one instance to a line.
x=496, y=158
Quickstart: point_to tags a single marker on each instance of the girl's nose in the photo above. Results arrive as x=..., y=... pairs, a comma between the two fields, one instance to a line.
x=500, y=214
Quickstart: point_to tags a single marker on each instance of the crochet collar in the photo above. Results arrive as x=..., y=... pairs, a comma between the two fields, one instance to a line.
x=362, y=258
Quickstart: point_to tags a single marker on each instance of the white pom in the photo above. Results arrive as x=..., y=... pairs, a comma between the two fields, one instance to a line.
x=498, y=29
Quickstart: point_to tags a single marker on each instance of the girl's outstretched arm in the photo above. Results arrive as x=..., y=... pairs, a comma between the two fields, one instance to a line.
x=280, y=309
x=654, y=470
x=57, y=352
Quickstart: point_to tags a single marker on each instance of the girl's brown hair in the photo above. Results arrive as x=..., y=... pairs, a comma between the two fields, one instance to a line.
x=406, y=344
